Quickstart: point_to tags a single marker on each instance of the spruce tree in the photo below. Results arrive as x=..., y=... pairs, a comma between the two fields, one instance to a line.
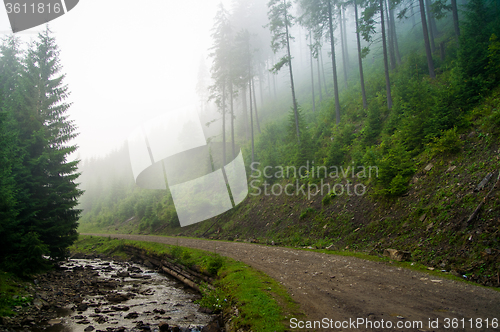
x=280, y=22
x=45, y=135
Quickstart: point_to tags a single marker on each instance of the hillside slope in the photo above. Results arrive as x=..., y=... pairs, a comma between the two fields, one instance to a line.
x=429, y=220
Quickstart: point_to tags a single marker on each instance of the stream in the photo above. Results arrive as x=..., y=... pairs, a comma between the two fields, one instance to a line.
x=100, y=295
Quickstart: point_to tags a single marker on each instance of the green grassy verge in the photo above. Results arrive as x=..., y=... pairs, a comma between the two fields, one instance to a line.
x=263, y=304
x=13, y=292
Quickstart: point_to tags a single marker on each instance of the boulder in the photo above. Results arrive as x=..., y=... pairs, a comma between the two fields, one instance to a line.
x=397, y=255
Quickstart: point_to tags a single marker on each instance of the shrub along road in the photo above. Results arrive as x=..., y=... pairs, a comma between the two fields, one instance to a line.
x=344, y=288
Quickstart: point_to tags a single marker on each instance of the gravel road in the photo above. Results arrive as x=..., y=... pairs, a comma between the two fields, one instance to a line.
x=346, y=289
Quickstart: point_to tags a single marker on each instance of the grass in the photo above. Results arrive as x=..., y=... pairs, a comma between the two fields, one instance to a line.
x=13, y=292
x=263, y=304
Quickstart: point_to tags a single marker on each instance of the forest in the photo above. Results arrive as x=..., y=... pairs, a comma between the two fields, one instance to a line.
x=395, y=85
x=390, y=84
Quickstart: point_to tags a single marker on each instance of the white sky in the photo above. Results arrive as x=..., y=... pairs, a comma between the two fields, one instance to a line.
x=128, y=61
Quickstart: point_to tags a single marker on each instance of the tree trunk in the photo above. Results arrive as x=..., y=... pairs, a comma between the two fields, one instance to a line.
x=261, y=79
x=454, y=10
x=251, y=119
x=301, y=62
x=395, y=36
x=390, y=40
x=430, y=30
x=274, y=81
x=295, y=110
x=344, y=66
x=334, y=65
x=223, y=123
x=360, y=60
x=386, y=64
x=232, y=118
x=269, y=83
x=412, y=14
x=428, y=51
x=319, y=79
x=312, y=75
x=432, y=20
x=255, y=104
x=345, y=38
x=245, y=112
x=323, y=68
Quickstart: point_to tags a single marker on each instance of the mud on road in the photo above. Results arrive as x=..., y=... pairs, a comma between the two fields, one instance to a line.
x=345, y=289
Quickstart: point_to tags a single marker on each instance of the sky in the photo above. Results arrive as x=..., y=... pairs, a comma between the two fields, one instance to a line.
x=127, y=62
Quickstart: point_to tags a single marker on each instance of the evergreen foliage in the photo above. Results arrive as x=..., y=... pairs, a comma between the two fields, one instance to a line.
x=39, y=193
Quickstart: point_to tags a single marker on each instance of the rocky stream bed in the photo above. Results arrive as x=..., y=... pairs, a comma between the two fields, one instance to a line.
x=112, y=296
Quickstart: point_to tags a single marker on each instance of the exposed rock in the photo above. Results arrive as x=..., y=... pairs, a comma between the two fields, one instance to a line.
x=148, y=264
x=451, y=169
x=163, y=327
x=81, y=307
x=122, y=274
x=215, y=325
x=132, y=315
x=330, y=247
x=159, y=311
x=397, y=255
x=484, y=182
x=428, y=167
x=205, y=310
x=116, y=298
x=120, y=308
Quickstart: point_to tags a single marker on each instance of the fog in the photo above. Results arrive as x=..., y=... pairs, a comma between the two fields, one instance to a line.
x=126, y=62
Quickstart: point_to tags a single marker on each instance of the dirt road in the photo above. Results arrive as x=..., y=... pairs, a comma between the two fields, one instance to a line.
x=345, y=289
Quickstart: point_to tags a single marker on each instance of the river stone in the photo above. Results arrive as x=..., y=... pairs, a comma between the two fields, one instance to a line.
x=122, y=274
x=82, y=307
x=159, y=311
x=163, y=327
x=132, y=315
x=117, y=297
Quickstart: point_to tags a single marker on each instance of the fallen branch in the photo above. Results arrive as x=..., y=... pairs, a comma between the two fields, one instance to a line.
x=476, y=211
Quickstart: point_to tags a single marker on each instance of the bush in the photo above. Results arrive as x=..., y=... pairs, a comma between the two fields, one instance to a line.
x=307, y=212
x=448, y=143
x=328, y=198
x=215, y=263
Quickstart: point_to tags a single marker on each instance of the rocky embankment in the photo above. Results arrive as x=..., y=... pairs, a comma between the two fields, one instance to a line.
x=95, y=294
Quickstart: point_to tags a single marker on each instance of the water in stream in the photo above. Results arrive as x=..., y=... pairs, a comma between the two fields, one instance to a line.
x=124, y=297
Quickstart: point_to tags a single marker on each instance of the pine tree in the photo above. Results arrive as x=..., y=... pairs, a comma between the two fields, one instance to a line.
x=361, y=54
x=428, y=44
x=51, y=216
x=367, y=29
x=221, y=54
x=280, y=22
x=319, y=18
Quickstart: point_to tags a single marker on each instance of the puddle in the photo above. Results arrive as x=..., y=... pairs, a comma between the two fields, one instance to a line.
x=125, y=297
